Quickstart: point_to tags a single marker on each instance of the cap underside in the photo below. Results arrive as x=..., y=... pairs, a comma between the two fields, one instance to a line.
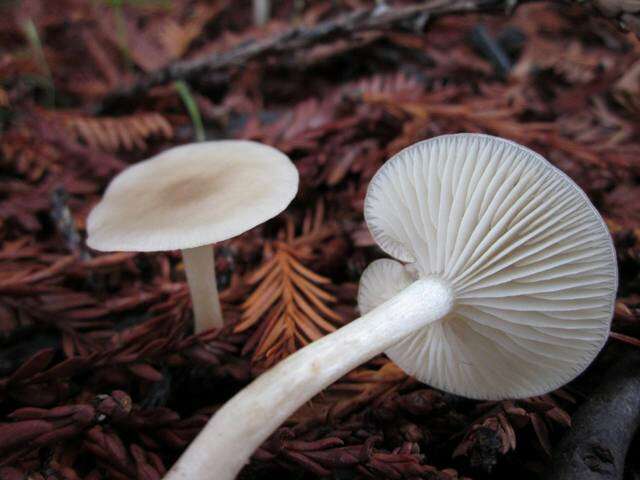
x=530, y=259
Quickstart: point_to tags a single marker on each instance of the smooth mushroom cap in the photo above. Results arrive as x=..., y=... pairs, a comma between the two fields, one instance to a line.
x=192, y=195
x=529, y=258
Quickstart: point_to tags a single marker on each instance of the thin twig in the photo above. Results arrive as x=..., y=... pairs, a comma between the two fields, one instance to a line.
x=296, y=38
x=625, y=339
x=304, y=36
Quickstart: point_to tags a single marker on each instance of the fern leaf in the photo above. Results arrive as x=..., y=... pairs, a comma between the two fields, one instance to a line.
x=287, y=305
x=111, y=134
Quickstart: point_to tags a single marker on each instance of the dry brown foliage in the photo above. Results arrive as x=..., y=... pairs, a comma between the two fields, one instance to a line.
x=288, y=305
x=115, y=133
x=500, y=421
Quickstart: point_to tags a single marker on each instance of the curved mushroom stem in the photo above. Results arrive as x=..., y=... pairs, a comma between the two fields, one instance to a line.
x=227, y=441
x=201, y=276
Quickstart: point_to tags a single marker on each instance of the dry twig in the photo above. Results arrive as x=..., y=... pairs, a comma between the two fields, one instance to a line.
x=297, y=38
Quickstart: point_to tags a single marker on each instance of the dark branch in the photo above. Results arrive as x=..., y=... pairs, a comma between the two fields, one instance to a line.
x=300, y=37
x=297, y=38
x=596, y=447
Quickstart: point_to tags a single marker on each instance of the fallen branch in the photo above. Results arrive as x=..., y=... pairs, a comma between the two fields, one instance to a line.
x=344, y=26
x=299, y=37
x=596, y=447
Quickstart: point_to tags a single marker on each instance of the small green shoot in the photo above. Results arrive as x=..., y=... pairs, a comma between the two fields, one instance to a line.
x=189, y=102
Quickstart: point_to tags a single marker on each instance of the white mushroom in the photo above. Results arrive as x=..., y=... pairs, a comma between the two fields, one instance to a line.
x=188, y=198
x=509, y=291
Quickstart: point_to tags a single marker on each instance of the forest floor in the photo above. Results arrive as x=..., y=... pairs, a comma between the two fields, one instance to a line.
x=100, y=375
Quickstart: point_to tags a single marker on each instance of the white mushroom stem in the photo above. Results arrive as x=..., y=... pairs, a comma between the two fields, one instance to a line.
x=261, y=12
x=227, y=441
x=201, y=276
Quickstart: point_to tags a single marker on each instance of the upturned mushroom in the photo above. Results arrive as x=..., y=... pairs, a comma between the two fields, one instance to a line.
x=502, y=286
x=188, y=198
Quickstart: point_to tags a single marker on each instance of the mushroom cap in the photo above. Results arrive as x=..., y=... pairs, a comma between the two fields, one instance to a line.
x=192, y=195
x=530, y=261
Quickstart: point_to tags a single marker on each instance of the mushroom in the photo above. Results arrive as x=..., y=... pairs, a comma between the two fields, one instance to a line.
x=502, y=286
x=188, y=198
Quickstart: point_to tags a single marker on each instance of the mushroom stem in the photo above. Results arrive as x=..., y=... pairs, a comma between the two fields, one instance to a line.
x=227, y=441
x=201, y=276
x=261, y=12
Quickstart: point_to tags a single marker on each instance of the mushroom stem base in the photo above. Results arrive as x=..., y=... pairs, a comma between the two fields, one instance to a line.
x=201, y=276
x=227, y=441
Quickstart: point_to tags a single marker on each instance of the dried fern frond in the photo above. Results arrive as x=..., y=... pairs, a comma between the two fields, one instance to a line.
x=115, y=133
x=572, y=61
x=292, y=307
x=288, y=304
x=394, y=87
x=4, y=98
x=23, y=153
x=313, y=231
x=503, y=420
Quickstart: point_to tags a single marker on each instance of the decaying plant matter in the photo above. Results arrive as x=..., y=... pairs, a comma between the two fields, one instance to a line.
x=112, y=134
x=99, y=375
x=287, y=298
